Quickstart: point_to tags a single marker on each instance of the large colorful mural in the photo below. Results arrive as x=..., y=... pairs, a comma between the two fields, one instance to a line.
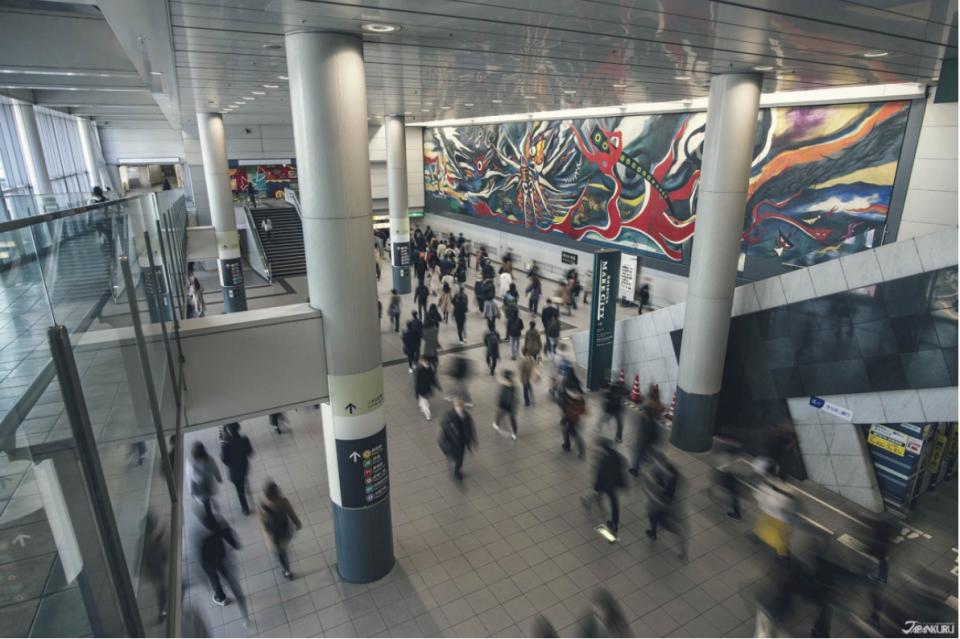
x=269, y=179
x=820, y=184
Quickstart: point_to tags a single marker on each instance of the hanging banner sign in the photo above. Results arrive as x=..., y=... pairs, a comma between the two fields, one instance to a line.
x=628, y=277
x=603, y=316
x=832, y=409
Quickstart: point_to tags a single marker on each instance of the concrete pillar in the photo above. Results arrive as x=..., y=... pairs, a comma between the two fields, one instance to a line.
x=400, y=258
x=727, y=154
x=86, y=146
x=32, y=147
x=213, y=149
x=329, y=105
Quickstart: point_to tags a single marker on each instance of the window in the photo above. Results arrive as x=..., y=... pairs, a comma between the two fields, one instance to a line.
x=61, y=148
x=14, y=179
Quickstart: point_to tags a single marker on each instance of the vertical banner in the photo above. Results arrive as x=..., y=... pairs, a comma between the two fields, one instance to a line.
x=628, y=277
x=400, y=256
x=603, y=316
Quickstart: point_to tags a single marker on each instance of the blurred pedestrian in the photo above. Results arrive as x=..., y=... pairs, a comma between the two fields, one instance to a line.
x=421, y=295
x=573, y=406
x=278, y=521
x=609, y=479
x=235, y=453
x=213, y=540
x=204, y=477
x=445, y=303
x=431, y=343
x=648, y=434
x=552, y=331
x=514, y=332
x=276, y=419
x=605, y=619
x=528, y=372
x=644, y=300
x=534, y=290
x=491, y=312
x=411, y=345
x=506, y=403
x=660, y=482
x=613, y=407
x=424, y=382
x=460, y=304
x=433, y=316
x=492, y=341
x=457, y=435
x=506, y=279
x=460, y=370
x=393, y=310
x=155, y=560
x=532, y=345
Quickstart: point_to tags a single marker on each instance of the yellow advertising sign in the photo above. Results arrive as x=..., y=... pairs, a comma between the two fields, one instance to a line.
x=891, y=447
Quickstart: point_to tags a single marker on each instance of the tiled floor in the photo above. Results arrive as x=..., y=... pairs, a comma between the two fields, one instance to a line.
x=486, y=556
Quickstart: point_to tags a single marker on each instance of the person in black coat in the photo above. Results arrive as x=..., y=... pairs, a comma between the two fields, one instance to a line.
x=411, y=344
x=213, y=540
x=613, y=407
x=235, y=453
x=423, y=384
x=644, y=298
x=608, y=481
x=422, y=297
x=457, y=435
x=648, y=434
x=460, y=307
x=492, y=342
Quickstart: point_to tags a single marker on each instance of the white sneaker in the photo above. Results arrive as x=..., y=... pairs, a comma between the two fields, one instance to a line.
x=514, y=436
x=409, y=370
x=495, y=427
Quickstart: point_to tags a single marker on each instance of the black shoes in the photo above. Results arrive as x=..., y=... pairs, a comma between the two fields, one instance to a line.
x=652, y=535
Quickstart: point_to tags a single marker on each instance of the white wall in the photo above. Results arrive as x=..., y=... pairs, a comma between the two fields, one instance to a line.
x=931, y=203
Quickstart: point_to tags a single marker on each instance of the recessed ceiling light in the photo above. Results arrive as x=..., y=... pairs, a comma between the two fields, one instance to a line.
x=259, y=92
x=247, y=98
x=569, y=91
x=619, y=85
x=273, y=46
x=380, y=27
x=875, y=54
x=282, y=77
x=468, y=104
x=529, y=97
x=425, y=110
x=496, y=100
x=763, y=67
x=681, y=78
x=408, y=112
x=156, y=73
x=271, y=86
x=444, y=107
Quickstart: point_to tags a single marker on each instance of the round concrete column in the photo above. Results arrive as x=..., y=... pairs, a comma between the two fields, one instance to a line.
x=328, y=99
x=29, y=134
x=213, y=149
x=397, y=191
x=86, y=146
x=727, y=154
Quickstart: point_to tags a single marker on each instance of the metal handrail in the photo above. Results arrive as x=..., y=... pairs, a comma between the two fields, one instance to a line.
x=252, y=224
x=23, y=222
x=291, y=196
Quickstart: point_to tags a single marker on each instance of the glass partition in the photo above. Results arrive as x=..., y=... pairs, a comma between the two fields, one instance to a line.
x=108, y=275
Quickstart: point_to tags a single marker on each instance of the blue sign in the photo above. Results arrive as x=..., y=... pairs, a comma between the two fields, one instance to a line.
x=817, y=402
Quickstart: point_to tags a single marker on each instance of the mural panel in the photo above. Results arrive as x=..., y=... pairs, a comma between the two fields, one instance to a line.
x=820, y=184
x=269, y=179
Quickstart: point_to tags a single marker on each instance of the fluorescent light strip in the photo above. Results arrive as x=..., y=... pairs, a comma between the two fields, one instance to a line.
x=831, y=95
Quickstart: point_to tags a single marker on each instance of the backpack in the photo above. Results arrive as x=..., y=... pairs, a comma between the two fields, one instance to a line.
x=277, y=523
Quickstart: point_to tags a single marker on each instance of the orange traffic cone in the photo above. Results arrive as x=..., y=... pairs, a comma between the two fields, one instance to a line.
x=622, y=379
x=673, y=405
x=635, y=391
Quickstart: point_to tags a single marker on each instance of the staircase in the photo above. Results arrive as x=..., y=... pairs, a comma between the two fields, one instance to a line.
x=79, y=269
x=285, y=248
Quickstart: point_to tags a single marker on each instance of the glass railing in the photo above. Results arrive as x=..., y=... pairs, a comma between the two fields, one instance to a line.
x=90, y=404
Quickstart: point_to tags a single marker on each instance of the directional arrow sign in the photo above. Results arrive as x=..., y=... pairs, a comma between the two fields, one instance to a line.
x=351, y=407
x=355, y=457
x=21, y=539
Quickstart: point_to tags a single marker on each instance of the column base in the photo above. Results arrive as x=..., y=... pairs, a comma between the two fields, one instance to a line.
x=234, y=299
x=364, y=538
x=693, y=421
x=401, y=279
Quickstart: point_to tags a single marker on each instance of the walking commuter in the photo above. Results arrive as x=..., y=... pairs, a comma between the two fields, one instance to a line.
x=528, y=371
x=492, y=341
x=424, y=382
x=411, y=345
x=648, y=433
x=572, y=406
x=431, y=343
x=445, y=303
x=276, y=517
x=490, y=313
x=531, y=341
x=393, y=310
x=457, y=435
x=534, y=290
x=460, y=304
x=505, y=281
x=213, y=541
x=514, y=331
x=506, y=403
x=433, y=316
x=644, y=300
x=252, y=194
x=275, y=420
x=613, y=407
x=195, y=298
x=609, y=479
x=268, y=228
x=552, y=333
x=433, y=279
x=204, y=477
x=235, y=453
x=660, y=481
x=605, y=619
x=422, y=297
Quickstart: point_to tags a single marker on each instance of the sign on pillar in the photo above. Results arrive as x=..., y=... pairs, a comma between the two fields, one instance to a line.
x=400, y=258
x=603, y=316
x=230, y=267
x=358, y=473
